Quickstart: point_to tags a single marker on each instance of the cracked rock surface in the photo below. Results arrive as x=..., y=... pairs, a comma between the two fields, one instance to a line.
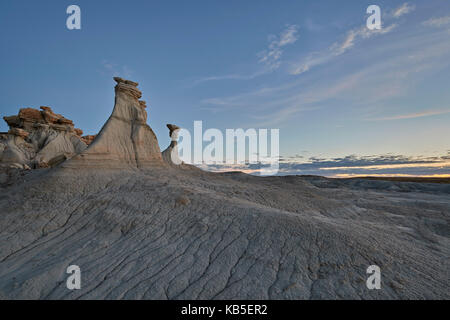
x=167, y=233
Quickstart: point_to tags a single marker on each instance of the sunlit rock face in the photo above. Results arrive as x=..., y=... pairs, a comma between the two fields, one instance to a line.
x=125, y=140
x=39, y=138
x=88, y=138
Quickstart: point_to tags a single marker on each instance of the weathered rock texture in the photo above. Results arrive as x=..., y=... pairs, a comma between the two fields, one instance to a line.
x=88, y=139
x=125, y=140
x=39, y=138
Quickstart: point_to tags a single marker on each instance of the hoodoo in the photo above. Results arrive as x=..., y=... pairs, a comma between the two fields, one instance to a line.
x=170, y=155
x=125, y=139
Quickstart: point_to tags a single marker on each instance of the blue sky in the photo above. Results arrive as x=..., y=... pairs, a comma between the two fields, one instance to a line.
x=339, y=93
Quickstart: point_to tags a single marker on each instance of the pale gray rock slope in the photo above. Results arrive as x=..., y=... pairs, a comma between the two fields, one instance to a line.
x=163, y=233
x=142, y=229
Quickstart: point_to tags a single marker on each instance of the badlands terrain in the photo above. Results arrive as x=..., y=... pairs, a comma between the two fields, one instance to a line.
x=141, y=227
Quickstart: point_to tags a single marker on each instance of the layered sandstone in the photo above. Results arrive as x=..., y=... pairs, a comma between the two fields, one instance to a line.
x=125, y=139
x=39, y=138
x=88, y=139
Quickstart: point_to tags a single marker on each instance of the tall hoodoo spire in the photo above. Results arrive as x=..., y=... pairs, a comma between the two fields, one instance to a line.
x=125, y=139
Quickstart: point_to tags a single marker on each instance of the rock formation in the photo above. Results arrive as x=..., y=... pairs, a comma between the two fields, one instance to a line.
x=125, y=140
x=39, y=138
x=170, y=155
x=88, y=139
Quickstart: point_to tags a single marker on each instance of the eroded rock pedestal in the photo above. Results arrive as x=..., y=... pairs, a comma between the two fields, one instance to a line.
x=125, y=140
x=39, y=138
x=170, y=155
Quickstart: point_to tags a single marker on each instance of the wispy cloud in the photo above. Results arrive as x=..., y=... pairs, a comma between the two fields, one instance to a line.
x=403, y=9
x=349, y=41
x=354, y=35
x=414, y=115
x=338, y=48
x=437, y=22
x=230, y=77
x=114, y=69
x=217, y=78
x=272, y=55
x=366, y=90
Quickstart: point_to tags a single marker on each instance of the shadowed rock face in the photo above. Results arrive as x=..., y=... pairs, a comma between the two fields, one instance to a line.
x=125, y=140
x=39, y=138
